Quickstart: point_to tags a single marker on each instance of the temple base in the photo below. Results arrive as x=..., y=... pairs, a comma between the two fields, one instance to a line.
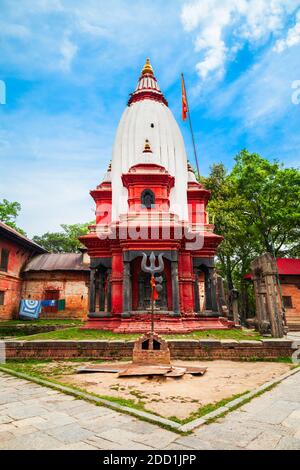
x=98, y=315
x=164, y=324
x=208, y=314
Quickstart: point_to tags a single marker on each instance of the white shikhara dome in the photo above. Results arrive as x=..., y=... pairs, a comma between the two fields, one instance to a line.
x=148, y=117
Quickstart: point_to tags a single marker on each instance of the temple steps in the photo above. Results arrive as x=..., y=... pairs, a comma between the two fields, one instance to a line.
x=164, y=324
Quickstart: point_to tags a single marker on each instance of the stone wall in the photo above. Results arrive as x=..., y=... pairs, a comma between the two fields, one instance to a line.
x=180, y=349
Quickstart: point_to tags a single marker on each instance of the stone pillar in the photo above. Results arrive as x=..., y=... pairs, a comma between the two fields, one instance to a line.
x=234, y=300
x=196, y=295
x=126, y=291
x=92, y=295
x=269, y=312
x=207, y=281
x=101, y=291
x=108, y=291
x=221, y=298
x=175, y=289
x=140, y=293
x=211, y=305
x=213, y=287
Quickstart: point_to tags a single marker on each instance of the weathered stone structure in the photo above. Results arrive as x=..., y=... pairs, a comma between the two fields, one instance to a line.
x=269, y=311
x=289, y=277
x=151, y=349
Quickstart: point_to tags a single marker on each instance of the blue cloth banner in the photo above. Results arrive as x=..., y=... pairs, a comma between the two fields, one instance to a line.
x=30, y=308
x=49, y=303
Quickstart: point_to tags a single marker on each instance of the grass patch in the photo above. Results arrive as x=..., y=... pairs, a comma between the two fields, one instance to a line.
x=42, y=370
x=35, y=375
x=78, y=334
x=209, y=408
x=23, y=328
x=42, y=322
x=282, y=360
x=242, y=403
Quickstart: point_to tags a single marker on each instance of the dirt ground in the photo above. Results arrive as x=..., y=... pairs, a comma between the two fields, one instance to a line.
x=179, y=398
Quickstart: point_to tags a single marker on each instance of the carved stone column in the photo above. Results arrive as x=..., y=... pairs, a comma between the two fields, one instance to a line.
x=126, y=290
x=196, y=294
x=175, y=288
x=92, y=295
x=213, y=287
x=101, y=292
x=108, y=292
x=211, y=305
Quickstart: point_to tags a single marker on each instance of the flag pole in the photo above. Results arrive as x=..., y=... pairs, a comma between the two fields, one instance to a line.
x=191, y=127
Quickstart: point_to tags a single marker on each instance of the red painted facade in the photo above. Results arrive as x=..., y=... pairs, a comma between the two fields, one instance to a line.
x=141, y=229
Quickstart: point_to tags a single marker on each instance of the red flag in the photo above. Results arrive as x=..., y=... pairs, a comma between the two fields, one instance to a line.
x=184, y=100
x=154, y=291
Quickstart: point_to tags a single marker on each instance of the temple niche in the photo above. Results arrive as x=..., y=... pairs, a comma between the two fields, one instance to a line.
x=150, y=201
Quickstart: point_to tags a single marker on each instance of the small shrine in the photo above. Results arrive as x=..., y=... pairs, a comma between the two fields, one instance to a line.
x=151, y=349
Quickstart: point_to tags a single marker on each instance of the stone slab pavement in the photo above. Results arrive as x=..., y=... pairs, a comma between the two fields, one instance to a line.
x=36, y=417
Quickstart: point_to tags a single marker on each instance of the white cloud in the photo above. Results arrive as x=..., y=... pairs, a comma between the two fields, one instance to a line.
x=222, y=28
x=262, y=96
x=292, y=38
x=68, y=51
x=14, y=30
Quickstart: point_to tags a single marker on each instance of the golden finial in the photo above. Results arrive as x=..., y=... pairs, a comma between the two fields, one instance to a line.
x=147, y=68
x=147, y=148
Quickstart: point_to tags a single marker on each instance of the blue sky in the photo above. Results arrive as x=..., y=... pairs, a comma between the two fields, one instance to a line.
x=69, y=66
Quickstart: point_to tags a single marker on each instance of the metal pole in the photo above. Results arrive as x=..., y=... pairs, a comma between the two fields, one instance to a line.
x=191, y=127
x=152, y=303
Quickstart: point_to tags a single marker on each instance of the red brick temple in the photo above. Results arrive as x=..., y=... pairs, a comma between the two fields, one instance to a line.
x=150, y=201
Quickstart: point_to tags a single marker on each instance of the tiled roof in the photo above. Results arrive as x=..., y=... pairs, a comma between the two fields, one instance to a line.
x=14, y=235
x=57, y=262
x=286, y=267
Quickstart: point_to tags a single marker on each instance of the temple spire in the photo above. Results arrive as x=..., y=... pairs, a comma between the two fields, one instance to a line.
x=147, y=87
x=147, y=68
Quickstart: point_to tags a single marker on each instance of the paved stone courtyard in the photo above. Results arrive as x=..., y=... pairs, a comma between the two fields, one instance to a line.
x=35, y=417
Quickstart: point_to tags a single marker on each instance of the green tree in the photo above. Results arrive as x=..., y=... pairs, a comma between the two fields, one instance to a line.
x=226, y=209
x=256, y=209
x=272, y=195
x=9, y=212
x=65, y=241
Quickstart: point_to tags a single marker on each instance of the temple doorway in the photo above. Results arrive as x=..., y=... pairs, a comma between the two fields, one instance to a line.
x=144, y=293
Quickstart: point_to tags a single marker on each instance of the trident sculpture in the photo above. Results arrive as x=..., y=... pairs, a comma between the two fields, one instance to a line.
x=153, y=269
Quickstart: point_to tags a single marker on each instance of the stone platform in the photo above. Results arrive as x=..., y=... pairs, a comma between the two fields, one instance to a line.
x=164, y=324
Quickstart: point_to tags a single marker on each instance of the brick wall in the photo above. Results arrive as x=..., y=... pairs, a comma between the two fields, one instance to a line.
x=292, y=290
x=10, y=282
x=72, y=286
x=180, y=349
